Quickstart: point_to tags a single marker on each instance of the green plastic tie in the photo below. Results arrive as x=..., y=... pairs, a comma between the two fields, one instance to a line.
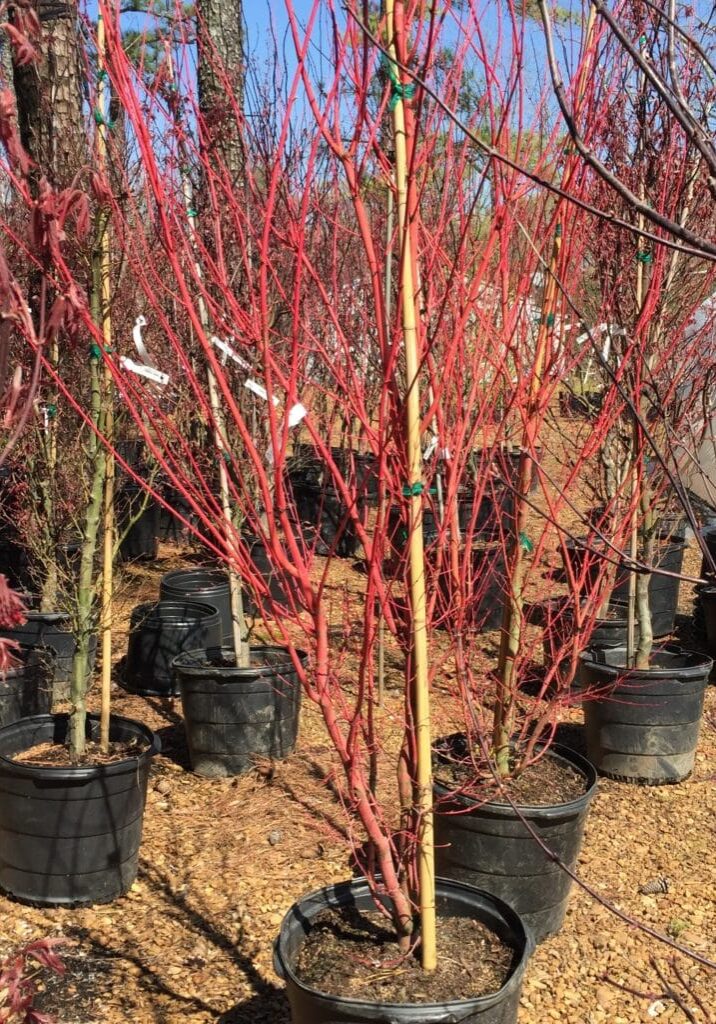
x=95, y=352
x=191, y=212
x=549, y=319
x=558, y=230
x=413, y=490
x=526, y=543
x=102, y=76
x=51, y=410
x=100, y=119
x=398, y=91
x=644, y=256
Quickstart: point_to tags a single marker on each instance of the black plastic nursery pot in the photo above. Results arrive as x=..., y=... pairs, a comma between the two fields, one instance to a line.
x=310, y=1006
x=233, y=715
x=138, y=541
x=205, y=585
x=707, y=607
x=157, y=634
x=323, y=514
x=70, y=836
x=490, y=846
x=26, y=688
x=644, y=727
x=51, y=630
x=663, y=590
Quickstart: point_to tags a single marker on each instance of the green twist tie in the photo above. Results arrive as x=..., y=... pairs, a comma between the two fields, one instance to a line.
x=191, y=212
x=549, y=319
x=100, y=119
x=95, y=352
x=558, y=230
x=102, y=76
x=642, y=41
x=526, y=543
x=398, y=91
x=51, y=410
x=413, y=490
x=644, y=256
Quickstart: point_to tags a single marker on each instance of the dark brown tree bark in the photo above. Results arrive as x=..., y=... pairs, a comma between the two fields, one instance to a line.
x=49, y=96
x=220, y=76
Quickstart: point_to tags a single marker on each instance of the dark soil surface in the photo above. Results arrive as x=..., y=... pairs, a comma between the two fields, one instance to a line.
x=545, y=783
x=56, y=755
x=348, y=953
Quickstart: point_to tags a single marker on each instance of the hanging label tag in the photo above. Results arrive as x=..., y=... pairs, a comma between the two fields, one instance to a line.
x=141, y=348
x=227, y=351
x=259, y=389
x=432, y=445
x=295, y=414
x=150, y=372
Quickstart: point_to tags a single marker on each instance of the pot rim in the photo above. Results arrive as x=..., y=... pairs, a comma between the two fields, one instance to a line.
x=79, y=773
x=561, y=751
x=701, y=664
x=522, y=952
x=151, y=612
x=219, y=579
x=232, y=671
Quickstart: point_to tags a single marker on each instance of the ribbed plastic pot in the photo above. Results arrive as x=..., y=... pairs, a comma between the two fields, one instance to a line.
x=310, y=1006
x=233, y=715
x=321, y=510
x=139, y=542
x=663, y=590
x=204, y=585
x=157, y=634
x=707, y=604
x=708, y=535
x=26, y=689
x=14, y=561
x=52, y=630
x=488, y=845
x=646, y=726
x=70, y=836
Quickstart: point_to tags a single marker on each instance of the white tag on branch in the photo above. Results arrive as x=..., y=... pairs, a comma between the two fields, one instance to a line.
x=260, y=390
x=141, y=348
x=430, y=450
x=228, y=352
x=656, y=1008
x=152, y=374
x=444, y=454
x=295, y=414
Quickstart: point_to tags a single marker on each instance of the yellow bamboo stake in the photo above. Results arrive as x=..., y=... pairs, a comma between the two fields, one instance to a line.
x=424, y=794
x=107, y=401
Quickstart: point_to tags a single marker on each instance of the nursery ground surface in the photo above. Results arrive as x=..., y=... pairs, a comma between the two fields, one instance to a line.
x=222, y=861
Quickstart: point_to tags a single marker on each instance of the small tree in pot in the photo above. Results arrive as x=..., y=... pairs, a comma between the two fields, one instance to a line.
x=651, y=290
x=45, y=760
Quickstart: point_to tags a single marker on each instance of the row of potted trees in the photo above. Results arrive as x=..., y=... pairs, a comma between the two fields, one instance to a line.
x=461, y=345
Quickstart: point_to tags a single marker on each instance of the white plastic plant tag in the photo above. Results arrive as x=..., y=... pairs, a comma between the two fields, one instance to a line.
x=295, y=414
x=152, y=374
x=259, y=389
x=430, y=450
x=141, y=348
x=227, y=351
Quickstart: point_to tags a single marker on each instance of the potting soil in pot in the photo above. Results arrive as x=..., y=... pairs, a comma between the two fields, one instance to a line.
x=354, y=954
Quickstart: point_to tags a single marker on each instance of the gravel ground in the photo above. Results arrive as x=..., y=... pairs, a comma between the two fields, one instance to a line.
x=223, y=860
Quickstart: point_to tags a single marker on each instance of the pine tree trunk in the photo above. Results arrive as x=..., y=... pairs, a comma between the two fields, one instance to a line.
x=220, y=78
x=49, y=96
